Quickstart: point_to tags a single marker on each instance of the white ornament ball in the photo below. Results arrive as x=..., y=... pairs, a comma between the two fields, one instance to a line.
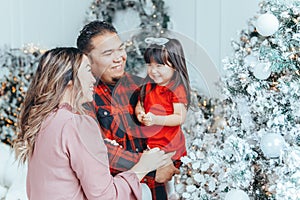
x=271, y=145
x=236, y=195
x=251, y=60
x=262, y=71
x=267, y=24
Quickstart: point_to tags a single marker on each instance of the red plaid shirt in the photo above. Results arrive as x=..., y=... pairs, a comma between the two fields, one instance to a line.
x=115, y=107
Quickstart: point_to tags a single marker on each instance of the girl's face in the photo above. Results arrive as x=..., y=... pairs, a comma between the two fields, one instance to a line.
x=86, y=79
x=159, y=73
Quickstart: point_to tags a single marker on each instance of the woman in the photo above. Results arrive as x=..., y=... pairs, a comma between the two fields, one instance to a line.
x=66, y=156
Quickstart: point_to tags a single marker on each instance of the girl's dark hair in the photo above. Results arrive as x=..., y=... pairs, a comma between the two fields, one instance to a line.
x=91, y=30
x=171, y=52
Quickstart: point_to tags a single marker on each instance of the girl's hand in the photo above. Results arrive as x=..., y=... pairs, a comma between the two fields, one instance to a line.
x=140, y=116
x=149, y=119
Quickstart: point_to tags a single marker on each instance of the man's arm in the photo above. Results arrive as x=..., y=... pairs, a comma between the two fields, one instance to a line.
x=119, y=159
x=166, y=173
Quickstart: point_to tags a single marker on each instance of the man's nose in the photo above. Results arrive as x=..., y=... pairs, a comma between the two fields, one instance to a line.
x=118, y=56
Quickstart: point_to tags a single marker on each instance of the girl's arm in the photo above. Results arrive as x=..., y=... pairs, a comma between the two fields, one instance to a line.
x=175, y=119
x=139, y=111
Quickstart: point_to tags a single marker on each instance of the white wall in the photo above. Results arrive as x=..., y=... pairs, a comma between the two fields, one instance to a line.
x=44, y=23
x=57, y=22
x=212, y=24
x=205, y=27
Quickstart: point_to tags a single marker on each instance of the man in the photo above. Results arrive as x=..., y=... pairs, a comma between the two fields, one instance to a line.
x=115, y=100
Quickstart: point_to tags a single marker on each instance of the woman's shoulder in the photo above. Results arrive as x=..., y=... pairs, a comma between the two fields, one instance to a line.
x=64, y=115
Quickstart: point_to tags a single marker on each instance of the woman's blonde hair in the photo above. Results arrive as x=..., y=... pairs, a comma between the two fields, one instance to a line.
x=57, y=67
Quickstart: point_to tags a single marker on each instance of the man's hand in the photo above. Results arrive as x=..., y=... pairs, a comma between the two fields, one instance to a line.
x=165, y=173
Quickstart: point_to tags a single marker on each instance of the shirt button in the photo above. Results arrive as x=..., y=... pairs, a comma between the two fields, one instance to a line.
x=145, y=179
x=105, y=113
x=105, y=90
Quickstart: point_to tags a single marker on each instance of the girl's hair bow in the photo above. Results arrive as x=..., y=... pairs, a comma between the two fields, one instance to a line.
x=157, y=41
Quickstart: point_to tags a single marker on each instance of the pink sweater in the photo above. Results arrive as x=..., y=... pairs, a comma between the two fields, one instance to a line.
x=70, y=162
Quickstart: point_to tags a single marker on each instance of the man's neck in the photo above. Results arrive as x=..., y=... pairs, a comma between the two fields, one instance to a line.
x=114, y=80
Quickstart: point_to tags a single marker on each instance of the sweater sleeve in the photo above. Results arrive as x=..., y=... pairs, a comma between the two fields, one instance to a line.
x=87, y=153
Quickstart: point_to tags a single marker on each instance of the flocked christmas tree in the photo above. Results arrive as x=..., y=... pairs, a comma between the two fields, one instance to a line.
x=16, y=69
x=257, y=155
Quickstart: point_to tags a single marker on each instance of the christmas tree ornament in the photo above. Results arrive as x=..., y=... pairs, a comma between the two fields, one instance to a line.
x=267, y=24
x=251, y=60
x=236, y=195
x=262, y=71
x=272, y=145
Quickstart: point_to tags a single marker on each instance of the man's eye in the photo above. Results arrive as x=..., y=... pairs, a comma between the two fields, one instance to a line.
x=107, y=53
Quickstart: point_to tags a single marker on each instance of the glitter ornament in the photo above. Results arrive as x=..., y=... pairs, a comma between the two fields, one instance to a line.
x=271, y=145
x=236, y=195
x=262, y=71
x=267, y=24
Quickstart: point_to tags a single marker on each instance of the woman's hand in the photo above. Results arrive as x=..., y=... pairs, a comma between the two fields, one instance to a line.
x=151, y=160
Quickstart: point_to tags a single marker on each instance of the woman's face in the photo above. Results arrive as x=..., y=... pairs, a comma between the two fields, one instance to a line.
x=86, y=79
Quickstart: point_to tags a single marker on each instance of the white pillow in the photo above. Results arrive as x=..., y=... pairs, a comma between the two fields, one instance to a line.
x=3, y=191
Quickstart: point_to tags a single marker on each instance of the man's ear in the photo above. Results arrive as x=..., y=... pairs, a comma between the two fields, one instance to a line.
x=90, y=58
